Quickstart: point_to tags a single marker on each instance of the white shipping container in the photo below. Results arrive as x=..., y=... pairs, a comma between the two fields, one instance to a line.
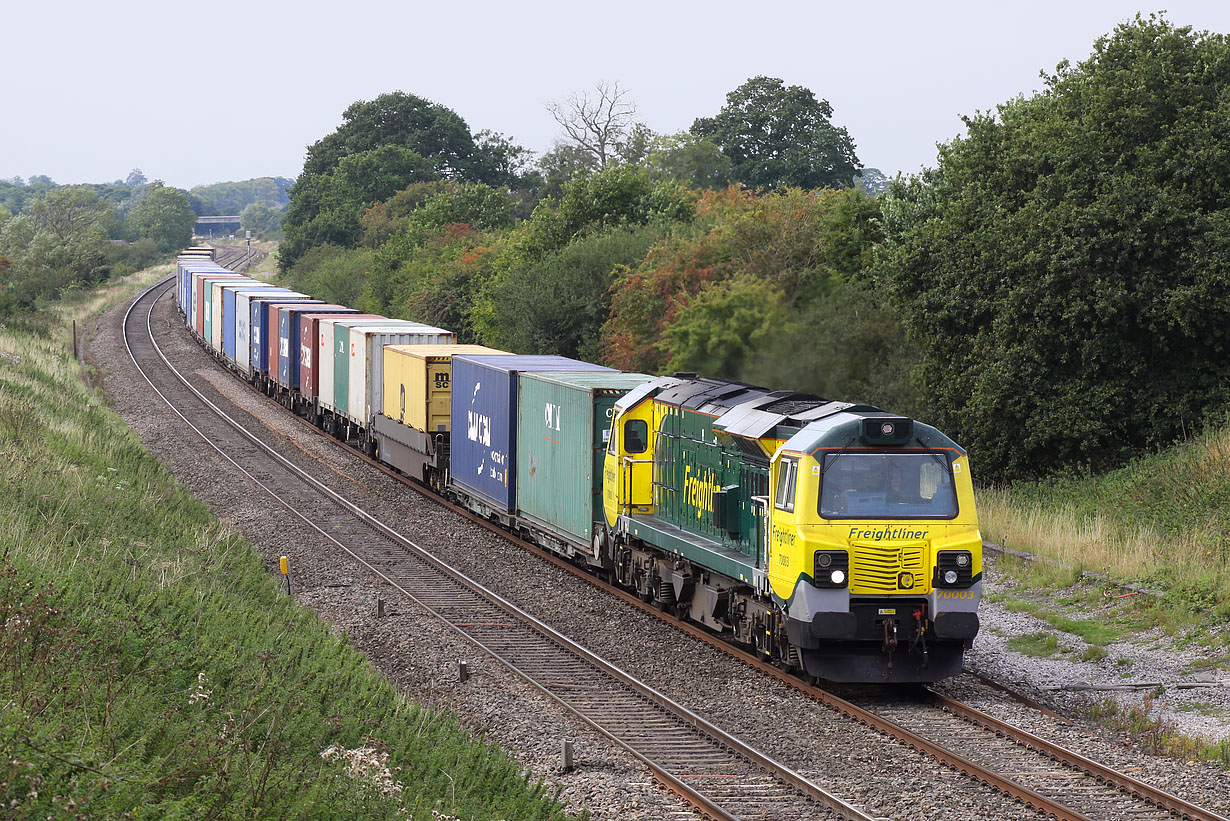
x=327, y=349
x=367, y=362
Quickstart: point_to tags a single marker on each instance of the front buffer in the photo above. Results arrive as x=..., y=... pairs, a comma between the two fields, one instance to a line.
x=898, y=640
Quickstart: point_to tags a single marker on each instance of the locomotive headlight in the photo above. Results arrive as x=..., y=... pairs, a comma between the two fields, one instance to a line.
x=887, y=429
x=837, y=576
x=824, y=560
x=906, y=581
x=950, y=576
x=962, y=560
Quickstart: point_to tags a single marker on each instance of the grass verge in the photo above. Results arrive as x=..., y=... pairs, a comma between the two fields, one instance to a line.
x=1162, y=521
x=150, y=667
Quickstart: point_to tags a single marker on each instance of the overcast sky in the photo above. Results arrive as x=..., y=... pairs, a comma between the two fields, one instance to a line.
x=89, y=90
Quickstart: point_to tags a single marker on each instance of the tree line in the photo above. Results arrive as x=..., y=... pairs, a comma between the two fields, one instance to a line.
x=1053, y=292
x=64, y=238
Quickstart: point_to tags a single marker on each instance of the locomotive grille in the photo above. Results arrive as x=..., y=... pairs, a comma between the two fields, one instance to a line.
x=877, y=567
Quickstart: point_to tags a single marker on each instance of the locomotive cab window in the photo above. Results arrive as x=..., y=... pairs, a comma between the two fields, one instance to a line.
x=636, y=436
x=887, y=486
x=787, y=474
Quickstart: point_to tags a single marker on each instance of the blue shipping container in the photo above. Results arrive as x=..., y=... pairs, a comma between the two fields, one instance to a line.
x=228, y=314
x=289, y=332
x=482, y=457
x=259, y=324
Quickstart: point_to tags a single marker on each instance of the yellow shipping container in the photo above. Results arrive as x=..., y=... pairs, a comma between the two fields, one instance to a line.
x=418, y=383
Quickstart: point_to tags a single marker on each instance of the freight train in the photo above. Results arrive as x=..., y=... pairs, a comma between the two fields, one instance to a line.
x=829, y=537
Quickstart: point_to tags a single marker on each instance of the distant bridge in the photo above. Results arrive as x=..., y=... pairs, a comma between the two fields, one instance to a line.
x=208, y=226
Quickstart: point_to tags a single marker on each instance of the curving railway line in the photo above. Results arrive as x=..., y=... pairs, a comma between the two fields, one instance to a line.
x=718, y=774
x=721, y=775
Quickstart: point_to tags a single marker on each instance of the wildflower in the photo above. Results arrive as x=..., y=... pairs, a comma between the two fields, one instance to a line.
x=201, y=694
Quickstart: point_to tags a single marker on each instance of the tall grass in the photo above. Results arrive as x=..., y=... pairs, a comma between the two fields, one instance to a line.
x=1163, y=520
x=150, y=667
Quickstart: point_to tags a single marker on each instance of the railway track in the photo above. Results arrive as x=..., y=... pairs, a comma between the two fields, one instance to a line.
x=722, y=776
x=1054, y=781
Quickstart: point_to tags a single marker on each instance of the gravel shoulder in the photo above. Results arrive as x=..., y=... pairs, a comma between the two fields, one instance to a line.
x=1168, y=676
x=421, y=656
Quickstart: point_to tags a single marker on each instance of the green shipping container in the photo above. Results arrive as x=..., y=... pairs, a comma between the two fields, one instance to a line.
x=563, y=421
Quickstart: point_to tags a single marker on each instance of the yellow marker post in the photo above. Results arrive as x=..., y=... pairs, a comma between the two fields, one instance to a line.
x=285, y=564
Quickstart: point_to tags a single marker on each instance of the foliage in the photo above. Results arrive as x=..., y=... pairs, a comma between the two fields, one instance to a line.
x=439, y=280
x=624, y=195
x=164, y=215
x=232, y=197
x=382, y=147
x=333, y=274
x=151, y=666
x=383, y=219
x=55, y=243
x=563, y=163
x=257, y=216
x=557, y=304
x=1065, y=270
x=326, y=208
x=714, y=331
x=797, y=244
x=429, y=130
x=693, y=161
x=777, y=135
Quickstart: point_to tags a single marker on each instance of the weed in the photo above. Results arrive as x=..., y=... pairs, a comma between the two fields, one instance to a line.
x=1157, y=735
x=1093, y=653
x=1036, y=645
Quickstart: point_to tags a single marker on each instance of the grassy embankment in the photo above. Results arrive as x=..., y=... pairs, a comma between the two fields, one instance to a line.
x=148, y=664
x=1163, y=522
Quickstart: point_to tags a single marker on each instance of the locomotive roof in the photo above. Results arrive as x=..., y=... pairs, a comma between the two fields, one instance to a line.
x=845, y=430
x=808, y=422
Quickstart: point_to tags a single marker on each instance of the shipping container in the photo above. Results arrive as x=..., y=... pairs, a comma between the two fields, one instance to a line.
x=288, y=349
x=484, y=420
x=417, y=380
x=235, y=316
x=204, y=303
x=243, y=317
x=339, y=393
x=365, y=365
x=185, y=272
x=315, y=351
x=192, y=283
x=217, y=299
x=563, y=425
x=333, y=345
x=183, y=279
x=265, y=328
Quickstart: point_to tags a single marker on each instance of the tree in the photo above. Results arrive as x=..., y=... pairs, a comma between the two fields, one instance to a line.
x=562, y=164
x=1065, y=270
x=557, y=305
x=164, y=215
x=55, y=243
x=797, y=244
x=135, y=178
x=779, y=136
x=432, y=131
x=598, y=124
x=257, y=216
x=381, y=147
x=694, y=161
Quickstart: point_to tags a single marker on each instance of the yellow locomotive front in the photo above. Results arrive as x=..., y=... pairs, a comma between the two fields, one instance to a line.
x=874, y=549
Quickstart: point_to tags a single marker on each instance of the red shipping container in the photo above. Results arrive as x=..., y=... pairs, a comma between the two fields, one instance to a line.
x=310, y=347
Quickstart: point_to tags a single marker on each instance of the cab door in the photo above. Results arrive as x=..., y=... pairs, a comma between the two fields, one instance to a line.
x=627, y=475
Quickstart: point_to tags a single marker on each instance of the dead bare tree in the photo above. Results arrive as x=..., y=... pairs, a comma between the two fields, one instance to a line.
x=597, y=124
